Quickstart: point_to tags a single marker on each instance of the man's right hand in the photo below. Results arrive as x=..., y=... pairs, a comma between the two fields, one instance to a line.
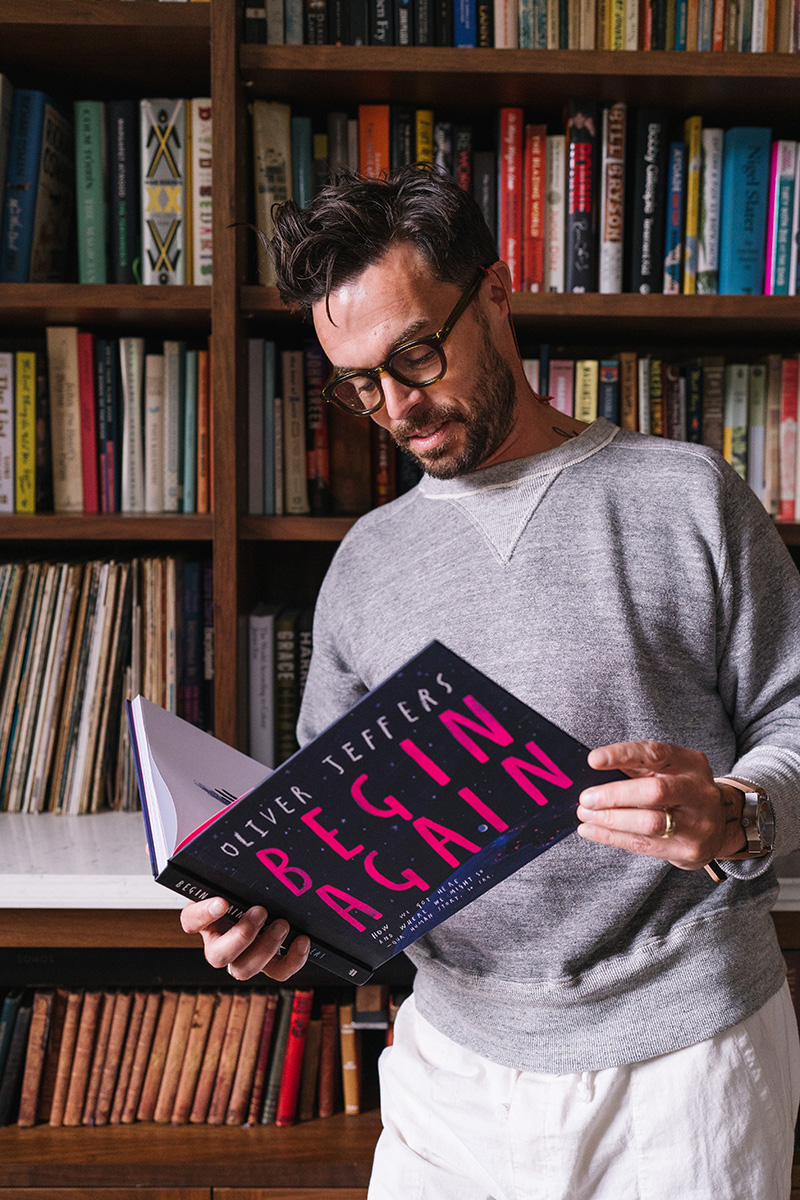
x=248, y=947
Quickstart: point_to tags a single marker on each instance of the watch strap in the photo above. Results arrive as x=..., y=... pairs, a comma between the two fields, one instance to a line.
x=754, y=797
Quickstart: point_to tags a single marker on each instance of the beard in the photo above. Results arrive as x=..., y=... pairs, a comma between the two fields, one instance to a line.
x=487, y=421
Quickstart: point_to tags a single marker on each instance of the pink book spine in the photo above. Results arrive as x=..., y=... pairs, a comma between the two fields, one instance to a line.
x=88, y=409
x=772, y=219
x=788, y=438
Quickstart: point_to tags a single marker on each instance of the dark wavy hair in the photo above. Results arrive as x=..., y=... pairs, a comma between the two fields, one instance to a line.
x=352, y=222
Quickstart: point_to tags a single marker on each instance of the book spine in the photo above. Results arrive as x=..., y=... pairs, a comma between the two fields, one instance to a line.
x=90, y=190
x=315, y=370
x=154, y=433
x=124, y=183
x=272, y=171
x=586, y=389
x=674, y=403
x=464, y=27
x=692, y=140
x=131, y=351
x=203, y=469
x=608, y=400
x=756, y=429
x=506, y=25
x=509, y=203
x=202, y=192
x=656, y=398
x=294, y=423
x=580, y=266
x=673, y=249
x=381, y=25
x=65, y=418
x=24, y=151
x=534, y=208
x=300, y=1016
x=710, y=201
x=163, y=166
x=648, y=215
x=211, y=1056
x=423, y=133
x=55, y=197
x=694, y=402
x=351, y=1061
x=24, y=434
x=174, y=356
x=734, y=434
x=373, y=139
x=788, y=439
x=555, y=214
x=484, y=186
x=780, y=217
x=612, y=200
x=744, y=209
x=246, y=1065
x=629, y=400
x=561, y=385
x=88, y=408
x=7, y=470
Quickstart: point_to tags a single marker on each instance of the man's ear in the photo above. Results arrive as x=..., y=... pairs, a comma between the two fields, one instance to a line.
x=500, y=286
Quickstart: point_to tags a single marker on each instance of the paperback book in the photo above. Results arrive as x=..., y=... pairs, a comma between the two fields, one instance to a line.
x=434, y=787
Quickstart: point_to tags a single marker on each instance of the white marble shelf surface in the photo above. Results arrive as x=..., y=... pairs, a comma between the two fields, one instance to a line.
x=101, y=861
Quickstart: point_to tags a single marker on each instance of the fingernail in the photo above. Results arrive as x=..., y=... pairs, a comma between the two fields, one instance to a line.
x=589, y=799
x=217, y=907
x=599, y=758
x=303, y=945
x=281, y=929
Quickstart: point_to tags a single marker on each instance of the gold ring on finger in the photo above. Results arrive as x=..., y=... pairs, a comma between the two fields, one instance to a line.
x=670, y=827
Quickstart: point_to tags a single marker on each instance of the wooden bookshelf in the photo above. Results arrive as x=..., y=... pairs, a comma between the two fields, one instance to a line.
x=115, y=48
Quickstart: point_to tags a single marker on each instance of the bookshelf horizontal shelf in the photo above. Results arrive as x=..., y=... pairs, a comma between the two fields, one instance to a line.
x=338, y=1155
x=473, y=79
x=295, y=529
x=129, y=308
x=591, y=314
x=112, y=527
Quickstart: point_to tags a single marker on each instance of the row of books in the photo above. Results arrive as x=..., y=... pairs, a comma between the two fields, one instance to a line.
x=612, y=200
x=279, y=654
x=103, y=424
x=748, y=412
x=704, y=25
x=185, y=1056
x=76, y=640
x=304, y=456
x=105, y=192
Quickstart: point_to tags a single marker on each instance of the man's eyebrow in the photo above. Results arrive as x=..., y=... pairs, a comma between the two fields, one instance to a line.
x=411, y=331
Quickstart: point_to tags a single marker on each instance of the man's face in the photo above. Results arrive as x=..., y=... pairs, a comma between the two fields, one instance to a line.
x=452, y=426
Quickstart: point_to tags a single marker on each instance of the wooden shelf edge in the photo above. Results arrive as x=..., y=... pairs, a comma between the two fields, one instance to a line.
x=100, y=13
x=420, y=60
x=295, y=529
x=88, y=527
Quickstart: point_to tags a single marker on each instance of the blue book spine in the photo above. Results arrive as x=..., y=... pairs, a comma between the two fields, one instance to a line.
x=681, y=19
x=539, y=24
x=673, y=242
x=464, y=23
x=190, y=433
x=302, y=161
x=608, y=391
x=269, y=427
x=22, y=173
x=783, y=236
x=526, y=30
x=743, y=224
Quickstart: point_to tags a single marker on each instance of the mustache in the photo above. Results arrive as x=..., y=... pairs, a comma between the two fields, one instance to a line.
x=432, y=416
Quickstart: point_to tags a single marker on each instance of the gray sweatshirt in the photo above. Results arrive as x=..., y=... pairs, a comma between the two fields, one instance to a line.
x=626, y=587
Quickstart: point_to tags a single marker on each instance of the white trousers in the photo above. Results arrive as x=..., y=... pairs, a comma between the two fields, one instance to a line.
x=712, y=1122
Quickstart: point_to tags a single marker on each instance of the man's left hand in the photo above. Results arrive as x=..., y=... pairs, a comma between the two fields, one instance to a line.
x=671, y=790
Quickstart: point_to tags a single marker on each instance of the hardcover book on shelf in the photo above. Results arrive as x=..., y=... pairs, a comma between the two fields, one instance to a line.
x=673, y=249
x=7, y=404
x=647, y=211
x=711, y=144
x=745, y=183
x=272, y=171
x=201, y=207
x=580, y=252
x=612, y=198
x=90, y=190
x=163, y=168
x=124, y=187
x=489, y=785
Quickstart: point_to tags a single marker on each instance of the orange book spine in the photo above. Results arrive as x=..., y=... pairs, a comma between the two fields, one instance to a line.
x=116, y=1041
x=57, y=1019
x=157, y=1057
x=306, y=1105
x=193, y=1059
x=141, y=1057
x=35, y=1054
x=329, y=1017
x=351, y=1061
x=260, y=1073
x=534, y=209
x=65, y=1057
x=208, y=1071
x=176, y=1052
x=82, y=1060
x=229, y=1056
x=373, y=139
x=246, y=1066
x=718, y=28
x=293, y=1060
x=128, y=1052
x=99, y=1056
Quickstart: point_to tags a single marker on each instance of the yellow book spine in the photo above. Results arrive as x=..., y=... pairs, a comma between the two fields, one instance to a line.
x=424, y=135
x=692, y=133
x=587, y=374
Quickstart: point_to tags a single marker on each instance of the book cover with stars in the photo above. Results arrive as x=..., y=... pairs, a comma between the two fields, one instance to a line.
x=434, y=787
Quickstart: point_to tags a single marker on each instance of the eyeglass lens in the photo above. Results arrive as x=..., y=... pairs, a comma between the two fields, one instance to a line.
x=417, y=366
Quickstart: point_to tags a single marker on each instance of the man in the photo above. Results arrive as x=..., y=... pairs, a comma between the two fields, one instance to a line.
x=610, y=1021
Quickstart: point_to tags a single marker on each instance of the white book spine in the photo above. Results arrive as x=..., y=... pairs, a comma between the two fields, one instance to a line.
x=631, y=24
x=65, y=418
x=163, y=157
x=506, y=32
x=758, y=43
x=131, y=353
x=255, y=426
x=202, y=190
x=643, y=390
x=555, y=213
x=154, y=433
x=275, y=26
x=711, y=147
x=6, y=432
x=173, y=431
x=612, y=199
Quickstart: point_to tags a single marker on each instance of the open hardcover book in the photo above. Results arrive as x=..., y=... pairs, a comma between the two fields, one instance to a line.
x=434, y=787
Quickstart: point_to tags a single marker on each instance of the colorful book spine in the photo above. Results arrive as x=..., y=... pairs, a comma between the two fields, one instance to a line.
x=534, y=203
x=580, y=259
x=608, y=394
x=509, y=207
x=300, y=1016
x=673, y=248
x=734, y=432
x=787, y=453
x=88, y=407
x=780, y=212
x=90, y=199
x=587, y=379
x=7, y=475
x=612, y=198
x=757, y=429
x=711, y=143
x=373, y=139
x=163, y=161
x=692, y=134
x=745, y=185
x=464, y=24
x=24, y=433
x=423, y=135
x=318, y=475
x=131, y=353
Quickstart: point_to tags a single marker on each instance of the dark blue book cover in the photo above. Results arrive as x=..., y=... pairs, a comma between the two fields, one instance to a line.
x=464, y=23
x=434, y=787
x=124, y=187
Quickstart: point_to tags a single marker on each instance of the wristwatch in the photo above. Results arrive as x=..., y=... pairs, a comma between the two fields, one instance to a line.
x=758, y=818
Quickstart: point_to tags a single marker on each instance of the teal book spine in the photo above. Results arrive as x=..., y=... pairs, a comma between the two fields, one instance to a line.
x=90, y=199
x=745, y=186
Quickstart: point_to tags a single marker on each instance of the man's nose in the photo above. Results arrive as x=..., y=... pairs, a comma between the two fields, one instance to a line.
x=400, y=398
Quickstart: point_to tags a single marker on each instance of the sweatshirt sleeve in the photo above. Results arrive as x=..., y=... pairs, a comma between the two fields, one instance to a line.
x=758, y=634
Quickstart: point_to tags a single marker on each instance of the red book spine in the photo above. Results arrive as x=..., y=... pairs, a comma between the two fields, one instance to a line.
x=509, y=215
x=293, y=1060
x=533, y=225
x=88, y=407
